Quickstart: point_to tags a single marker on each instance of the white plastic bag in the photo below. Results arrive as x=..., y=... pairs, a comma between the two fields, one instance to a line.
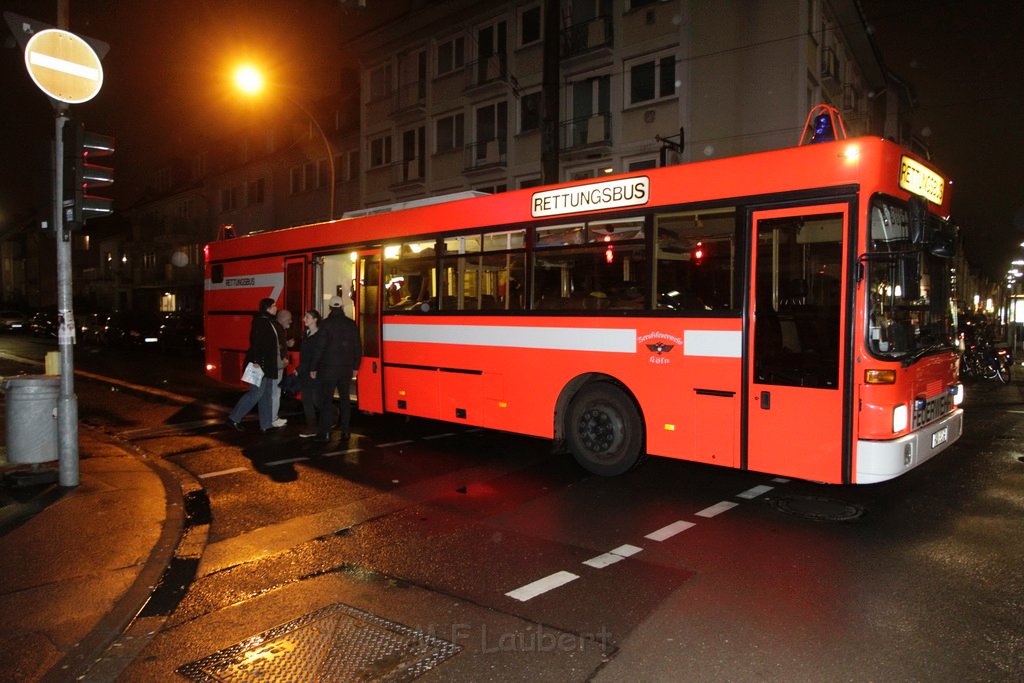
x=253, y=374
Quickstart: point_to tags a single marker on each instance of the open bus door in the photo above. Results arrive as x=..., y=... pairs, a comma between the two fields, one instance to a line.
x=795, y=386
x=370, y=385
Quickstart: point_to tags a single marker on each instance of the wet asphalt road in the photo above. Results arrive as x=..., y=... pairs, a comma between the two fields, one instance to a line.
x=540, y=571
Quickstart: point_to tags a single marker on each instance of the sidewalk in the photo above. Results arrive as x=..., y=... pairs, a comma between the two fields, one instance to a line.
x=77, y=564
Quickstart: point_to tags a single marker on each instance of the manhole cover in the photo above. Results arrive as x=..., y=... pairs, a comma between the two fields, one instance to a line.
x=335, y=643
x=819, y=509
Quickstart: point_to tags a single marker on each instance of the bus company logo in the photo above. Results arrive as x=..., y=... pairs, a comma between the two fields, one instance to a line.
x=659, y=344
x=611, y=194
x=240, y=282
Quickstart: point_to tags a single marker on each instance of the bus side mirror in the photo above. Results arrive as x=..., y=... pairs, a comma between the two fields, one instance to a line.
x=919, y=227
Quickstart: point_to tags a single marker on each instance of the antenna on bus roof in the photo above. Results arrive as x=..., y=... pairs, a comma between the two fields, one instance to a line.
x=412, y=204
x=825, y=123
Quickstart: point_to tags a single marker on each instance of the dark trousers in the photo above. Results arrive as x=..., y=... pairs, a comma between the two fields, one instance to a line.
x=310, y=400
x=328, y=414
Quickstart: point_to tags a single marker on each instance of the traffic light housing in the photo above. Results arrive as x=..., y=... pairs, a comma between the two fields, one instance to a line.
x=81, y=176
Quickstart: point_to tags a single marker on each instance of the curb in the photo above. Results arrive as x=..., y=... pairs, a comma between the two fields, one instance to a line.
x=102, y=654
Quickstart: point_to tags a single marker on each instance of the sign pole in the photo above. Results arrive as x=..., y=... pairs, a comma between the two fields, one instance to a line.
x=67, y=402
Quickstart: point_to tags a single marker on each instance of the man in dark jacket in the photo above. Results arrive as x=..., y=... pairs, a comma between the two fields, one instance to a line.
x=264, y=352
x=333, y=364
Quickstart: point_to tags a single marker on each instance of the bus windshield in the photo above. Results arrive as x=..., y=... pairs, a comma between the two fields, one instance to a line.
x=911, y=311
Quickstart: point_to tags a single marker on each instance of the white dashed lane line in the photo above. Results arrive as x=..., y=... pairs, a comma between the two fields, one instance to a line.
x=221, y=473
x=612, y=556
x=286, y=461
x=395, y=443
x=669, y=531
x=445, y=435
x=716, y=509
x=532, y=590
x=751, y=494
x=541, y=586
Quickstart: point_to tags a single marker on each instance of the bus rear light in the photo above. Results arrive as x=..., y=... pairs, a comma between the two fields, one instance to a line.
x=958, y=394
x=880, y=377
x=900, y=418
x=502, y=404
x=210, y=367
x=670, y=428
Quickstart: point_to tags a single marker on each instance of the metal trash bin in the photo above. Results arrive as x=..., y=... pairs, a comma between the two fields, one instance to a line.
x=32, y=418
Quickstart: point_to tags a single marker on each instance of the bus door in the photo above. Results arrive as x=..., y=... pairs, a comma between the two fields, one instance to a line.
x=367, y=297
x=795, y=421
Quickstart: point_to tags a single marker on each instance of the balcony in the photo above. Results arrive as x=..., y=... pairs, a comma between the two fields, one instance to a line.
x=486, y=154
x=486, y=71
x=587, y=132
x=408, y=173
x=410, y=98
x=587, y=36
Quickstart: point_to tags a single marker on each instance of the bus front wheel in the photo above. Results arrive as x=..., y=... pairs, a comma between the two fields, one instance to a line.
x=604, y=431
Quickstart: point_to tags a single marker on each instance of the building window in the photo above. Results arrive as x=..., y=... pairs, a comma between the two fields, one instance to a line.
x=351, y=164
x=652, y=79
x=450, y=133
x=229, y=199
x=295, y=180
x=254, y=192
x=380, y=82
x=529, y=112
x=530, y=182
x=529, y=26
x=642, y=165
x=451, y=55
x=380, y=151
x=309, y=176
x=185, y=209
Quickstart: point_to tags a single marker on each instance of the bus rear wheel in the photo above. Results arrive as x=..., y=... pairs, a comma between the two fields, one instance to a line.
x=604, y=431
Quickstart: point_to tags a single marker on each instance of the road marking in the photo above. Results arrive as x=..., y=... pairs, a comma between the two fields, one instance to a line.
x=780, y=480
x=669, y=531
x=612, y=556
x=395, y=443
x=541, y=586
x=439, y=436
x=717, y=509
x=345, y=452
x=286, y=461
x=753, y=493
x=221, y=473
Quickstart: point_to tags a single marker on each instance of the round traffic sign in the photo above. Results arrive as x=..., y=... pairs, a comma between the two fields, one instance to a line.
x=64, y=66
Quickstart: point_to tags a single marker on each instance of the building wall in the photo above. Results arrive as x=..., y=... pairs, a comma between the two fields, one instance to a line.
x=746, y=74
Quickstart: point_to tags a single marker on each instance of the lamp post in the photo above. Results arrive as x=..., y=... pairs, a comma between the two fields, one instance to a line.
x=250, y=81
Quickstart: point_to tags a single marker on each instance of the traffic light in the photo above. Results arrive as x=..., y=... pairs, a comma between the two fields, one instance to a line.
x=81, y=176
x=698, y=253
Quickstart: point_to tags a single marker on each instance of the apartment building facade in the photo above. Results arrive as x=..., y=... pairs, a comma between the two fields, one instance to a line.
x=453, y=93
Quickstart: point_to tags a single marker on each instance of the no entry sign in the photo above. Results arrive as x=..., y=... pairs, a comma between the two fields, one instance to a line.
x=64, y=66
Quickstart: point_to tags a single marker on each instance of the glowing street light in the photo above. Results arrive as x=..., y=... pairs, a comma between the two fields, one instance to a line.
x=249, y=80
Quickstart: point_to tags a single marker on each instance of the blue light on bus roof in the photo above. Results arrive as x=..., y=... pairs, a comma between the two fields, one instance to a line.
x=823, y=130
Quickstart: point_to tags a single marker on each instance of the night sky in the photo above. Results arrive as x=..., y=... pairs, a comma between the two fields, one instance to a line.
x=165, y=84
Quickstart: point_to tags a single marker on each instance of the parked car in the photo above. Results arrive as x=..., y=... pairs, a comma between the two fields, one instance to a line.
x=140, y=329
x=182, y=333
x=13, y=321
x=44, y=324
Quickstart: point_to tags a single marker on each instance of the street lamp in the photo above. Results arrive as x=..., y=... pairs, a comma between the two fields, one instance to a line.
x=249, y=80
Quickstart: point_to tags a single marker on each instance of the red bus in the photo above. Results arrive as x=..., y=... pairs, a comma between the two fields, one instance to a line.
x=788, y=312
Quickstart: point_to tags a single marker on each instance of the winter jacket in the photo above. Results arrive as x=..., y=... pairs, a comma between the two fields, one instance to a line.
x=264, y=344
x=341, y=350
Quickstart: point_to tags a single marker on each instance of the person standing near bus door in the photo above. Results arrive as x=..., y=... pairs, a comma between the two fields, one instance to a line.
x=283, y=321
x=310, y=387
x=333, y=364
x=264, y=352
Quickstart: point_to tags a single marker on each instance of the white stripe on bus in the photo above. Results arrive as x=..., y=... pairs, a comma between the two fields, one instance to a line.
x=717, y=343
x=608, y=340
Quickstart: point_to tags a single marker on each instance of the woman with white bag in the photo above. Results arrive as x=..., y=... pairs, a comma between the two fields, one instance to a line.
x=264, y=352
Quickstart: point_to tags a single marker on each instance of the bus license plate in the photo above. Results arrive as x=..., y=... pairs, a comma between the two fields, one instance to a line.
x=941, y=436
